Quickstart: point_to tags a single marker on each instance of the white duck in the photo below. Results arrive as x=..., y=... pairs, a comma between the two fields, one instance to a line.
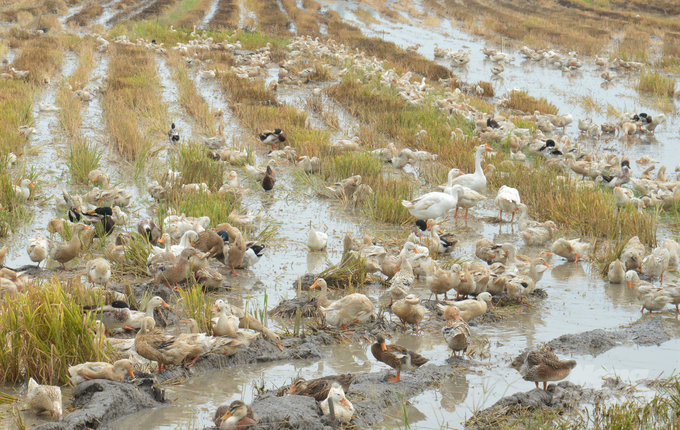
x=22, y=190
x=431, y=205
x=475, y=181
x=317, y=241
x=656, y=263
x=188, y=239
x=342, y=408
x=98, y=271
x=37, y=248
x=507, y=199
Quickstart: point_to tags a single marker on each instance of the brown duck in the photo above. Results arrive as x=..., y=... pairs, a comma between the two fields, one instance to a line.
x=219, y=413
x=269, y=179
x=319, y=388
x=542, y=366
x=238, y=416
x=63, y=252
x=397, y=357
x=165, y=349
x=211, y=243
x=236, y=252
x=178, y=272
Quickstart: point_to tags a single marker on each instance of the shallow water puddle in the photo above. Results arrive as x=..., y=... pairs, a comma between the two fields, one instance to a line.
x=209, y=16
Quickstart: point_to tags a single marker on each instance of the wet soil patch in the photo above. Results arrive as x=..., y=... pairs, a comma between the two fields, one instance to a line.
x=649, y=332
x=260, y=351
x=102, y=401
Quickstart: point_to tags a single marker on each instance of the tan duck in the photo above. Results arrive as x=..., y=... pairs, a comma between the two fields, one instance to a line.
x=345, y=188
x=467, y=284
x=401, y=281
x=44, y=398
x=211, y=243
x=237, y=251
x=166, y=350
x=351, y=309
x=456, y=332
x=542, y=366
x=539, y=235
x=410, y=311
x=269, y=179
x=99, y=370
x=160, y=259
x=227, y=323
x=397, y=357
x=178, y=272
x=319, y=387
x=63, y=252
x=470, y=308
x=209, y=344
x=490, y=252
x=136, y=317
x=209, y=278
x=633, y=253
x=617, y=272
x=570, y=249
x=37, y=248
x=440, y=281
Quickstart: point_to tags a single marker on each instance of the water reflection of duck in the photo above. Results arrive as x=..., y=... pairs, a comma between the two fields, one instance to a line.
x=454, y=391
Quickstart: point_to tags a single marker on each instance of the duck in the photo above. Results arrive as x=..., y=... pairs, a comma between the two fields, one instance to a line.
x=343, y=410
x=467, y=198
x=211, y=344
x=148, y=229
x=616, y=180
x=269, y=179
x=209, y=278
x=466, y=283
x=173, y=134
x=431, y=205
x=246, y=222
x=617, y=272
x=234, y=257
x=475, y=181
x=346, y=145
x=63, y=252
x=99, y=370
x=237, y=417
x=491, y=252
x=98, y=271
x=632, y=253
x=37, y=248
x=507, y=199
x=346, y=187
x=211, y=243
x=401, y=281
x=652, y=298
x=188, y=240
x=114, y=316
x=161, y=348
x=351, y=309
x=44, y=398
x=320, y=387
x=397, y=357
x=456, y=332
x=539, y=235
x=470, y=308
x=273, y=137
x=570, y=249
x=440, y=281
x=316, y=241
x=23, y=190
x=227, y=323
x=309, y=165
x=655, y=264
x=410, y=311
x=542, y=366
x=172, y=274
x=254, y=252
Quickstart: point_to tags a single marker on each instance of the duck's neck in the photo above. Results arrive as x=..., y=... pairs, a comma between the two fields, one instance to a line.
x=150, y=309
x=323, y=297
x=478, y=164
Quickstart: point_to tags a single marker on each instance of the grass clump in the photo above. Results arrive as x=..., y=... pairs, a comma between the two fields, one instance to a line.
x=521, y=100
x=81, y=158
x=657, y=84
x=588, y=212
x=136, y=254
x=42, y=57
x=16, y=101
x=198, y=306
x=197, y=167
x=487, y=87
x=132, y=104
x=48, y=332
x=227, y=15
x=89, y=12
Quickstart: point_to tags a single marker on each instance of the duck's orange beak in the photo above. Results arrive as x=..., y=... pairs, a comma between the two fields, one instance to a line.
x=280, y=346
x=487, y=147
x=292, y=389
x=30, y=184
x=314, y=285
x=215, y=308
x=226, y=416
x=383, y=347
x=131, y=373
x=161, y=240
x=165, y=305
x=546, y=264
x=344, y=402
x=629, y=284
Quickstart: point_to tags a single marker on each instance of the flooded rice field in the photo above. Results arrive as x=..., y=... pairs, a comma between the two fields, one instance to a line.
x=244, y=84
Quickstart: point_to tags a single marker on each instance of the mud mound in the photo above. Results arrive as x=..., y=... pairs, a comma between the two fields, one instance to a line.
x=259, y=351
x=644, y=333
x=102, y=401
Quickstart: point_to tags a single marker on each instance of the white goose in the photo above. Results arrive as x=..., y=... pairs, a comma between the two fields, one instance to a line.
x=475, y=181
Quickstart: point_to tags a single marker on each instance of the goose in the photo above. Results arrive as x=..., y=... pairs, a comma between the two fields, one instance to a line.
x=37, y=248
x=316, y=241
x=173, y=134
x=431, y=205
x=507, y=199
x=475, y=181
